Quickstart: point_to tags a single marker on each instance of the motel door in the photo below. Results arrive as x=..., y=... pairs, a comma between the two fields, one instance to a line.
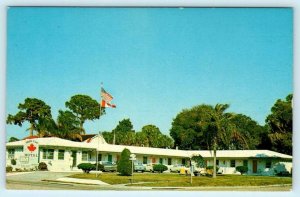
x=254, y=166
x=110, y=158
x=74, y=155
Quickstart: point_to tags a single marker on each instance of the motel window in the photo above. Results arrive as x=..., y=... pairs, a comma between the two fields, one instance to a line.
x=84, y=156
x=245, y=163
x=144, y=160
x=232, y=163
x=268, y=164
x=217, y=162
x=61, y=154
x=183, y=161
x=161, y=160
x=11, y=153
x=48, y=153
x=169, y=161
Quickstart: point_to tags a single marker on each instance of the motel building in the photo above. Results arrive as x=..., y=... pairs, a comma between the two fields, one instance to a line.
x=64, y=155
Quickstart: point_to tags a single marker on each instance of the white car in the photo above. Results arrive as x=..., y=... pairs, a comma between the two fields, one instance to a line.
x=177, y=168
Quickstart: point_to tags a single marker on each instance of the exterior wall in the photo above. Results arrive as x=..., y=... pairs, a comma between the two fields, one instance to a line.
x=66, y=164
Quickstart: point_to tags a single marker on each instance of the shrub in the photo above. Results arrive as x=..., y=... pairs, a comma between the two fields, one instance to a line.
x=42, y=166
x=242, y=169
x=100, y=166
x=124, y=165
x=86, y=167
x=9, y=169
x=13, y=162
x=160, y=168
x=283, y=174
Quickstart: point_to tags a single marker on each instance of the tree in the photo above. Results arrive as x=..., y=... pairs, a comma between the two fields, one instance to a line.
x=249, y=130
x=152, y=137
x=13, y=139
x=124, y=133
x=141, y=139
x=280, y=123
x=124, y=166
x=188, y=128
x=32, y=111
x=68, y=126
x=108, y=136
x=219, y=127
x=84, y=108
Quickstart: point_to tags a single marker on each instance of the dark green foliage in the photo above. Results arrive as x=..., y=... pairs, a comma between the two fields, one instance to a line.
x=100, y=167
x=42, y=166
x=154, y=138
x=242, y=169
x=249, y=130
x=9, y=169
x=86, y=167
x=13, y=162
x=283, y=174
x=280, y=123
x=108, y=136
x=159, y=168
x=124, y=133
x=32, y=111
x=68, y=126
x=188, y=130
x=199, y=161
x=84, y=108
x=13, y=139
x=124, y=166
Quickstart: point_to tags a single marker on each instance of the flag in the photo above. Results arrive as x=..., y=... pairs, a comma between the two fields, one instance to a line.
x=106, y=96
x=105, y=104
x=106, y=99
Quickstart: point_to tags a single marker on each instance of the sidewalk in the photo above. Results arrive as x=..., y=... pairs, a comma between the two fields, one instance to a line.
x=80, y=181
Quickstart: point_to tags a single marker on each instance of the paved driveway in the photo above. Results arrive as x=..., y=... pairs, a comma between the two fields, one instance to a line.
x=38, y=176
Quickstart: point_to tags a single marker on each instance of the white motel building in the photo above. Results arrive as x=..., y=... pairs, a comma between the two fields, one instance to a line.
x=64, y=155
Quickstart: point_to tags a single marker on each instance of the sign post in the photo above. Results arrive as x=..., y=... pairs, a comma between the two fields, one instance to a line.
x=132, y=158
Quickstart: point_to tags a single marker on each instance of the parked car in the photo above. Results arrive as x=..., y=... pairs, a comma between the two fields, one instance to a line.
x=139, y=167
x=177, y=168
x=149, y=167
x=109, y=166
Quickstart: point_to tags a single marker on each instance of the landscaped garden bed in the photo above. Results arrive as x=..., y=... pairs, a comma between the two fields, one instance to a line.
x=176, y=180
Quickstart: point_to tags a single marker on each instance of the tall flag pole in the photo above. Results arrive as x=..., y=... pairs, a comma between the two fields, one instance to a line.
x=97, y=154
x=105, y=102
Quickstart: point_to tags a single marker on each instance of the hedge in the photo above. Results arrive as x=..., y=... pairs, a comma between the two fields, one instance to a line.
x=86, y=167
x=160, y=168
x=242, y=169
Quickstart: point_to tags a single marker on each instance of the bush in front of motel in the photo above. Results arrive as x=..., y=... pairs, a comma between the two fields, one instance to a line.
x=43, y=166
x=159, y=168
x=86, y=167
x=9, y=169
x=124, y=165
x=100, y=166
x=13, y=162
x=242, y=169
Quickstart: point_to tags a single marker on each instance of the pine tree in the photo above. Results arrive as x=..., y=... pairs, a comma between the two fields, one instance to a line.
x=124, y=165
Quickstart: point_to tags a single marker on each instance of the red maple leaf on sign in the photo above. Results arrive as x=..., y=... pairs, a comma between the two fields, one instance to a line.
x=31, y=147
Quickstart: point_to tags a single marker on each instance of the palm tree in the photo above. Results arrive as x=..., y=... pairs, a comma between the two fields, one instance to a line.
x=222, y=132
x=68, y=127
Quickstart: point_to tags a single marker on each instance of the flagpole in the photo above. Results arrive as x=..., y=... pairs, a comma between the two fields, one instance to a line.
x=97, y=156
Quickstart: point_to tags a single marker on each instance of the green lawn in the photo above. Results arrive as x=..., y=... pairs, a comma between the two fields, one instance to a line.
x=176, y=180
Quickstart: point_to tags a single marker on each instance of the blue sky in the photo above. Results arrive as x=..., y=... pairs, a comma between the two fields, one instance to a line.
x=154, y=61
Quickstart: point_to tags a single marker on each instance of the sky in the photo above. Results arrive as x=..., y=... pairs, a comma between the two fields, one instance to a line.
x=155, y=62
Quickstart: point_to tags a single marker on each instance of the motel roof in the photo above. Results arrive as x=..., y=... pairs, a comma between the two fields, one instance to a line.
x=100, y=144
